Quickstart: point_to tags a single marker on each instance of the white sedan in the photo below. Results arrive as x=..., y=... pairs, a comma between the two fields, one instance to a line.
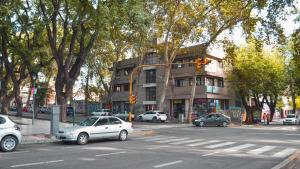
x=10, y=135
x=96, y=127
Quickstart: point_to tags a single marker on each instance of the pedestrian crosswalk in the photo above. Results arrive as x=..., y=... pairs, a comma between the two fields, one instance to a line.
x=222, y=146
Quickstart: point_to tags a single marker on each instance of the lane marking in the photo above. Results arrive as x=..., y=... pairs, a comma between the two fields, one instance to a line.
x=240, y=147
x=167, y=164
x=284, y=153
x=210, y=154
x=220, y=145
x=163, y=138
x=149, y=137
x=101, y=155
x=156, y=147
x=261, y=150
x=187, y=141
x=16, y=152
x=99, y=148
x=172, y=140
x=38, y=163
x=203, y=143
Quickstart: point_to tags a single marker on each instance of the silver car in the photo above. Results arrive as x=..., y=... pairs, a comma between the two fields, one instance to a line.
x=10, y=135
x=96, y=127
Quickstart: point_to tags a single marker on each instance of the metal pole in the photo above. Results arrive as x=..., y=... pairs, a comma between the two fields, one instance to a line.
x=33, y=101
x=74, y=112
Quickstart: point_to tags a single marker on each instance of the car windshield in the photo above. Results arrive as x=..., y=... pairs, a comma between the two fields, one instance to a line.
x=291, y=116
x=88, y=122
x=161, y=112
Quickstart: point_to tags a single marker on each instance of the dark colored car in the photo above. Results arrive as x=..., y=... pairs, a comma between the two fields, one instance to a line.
x=70, y=111
x=215, y=119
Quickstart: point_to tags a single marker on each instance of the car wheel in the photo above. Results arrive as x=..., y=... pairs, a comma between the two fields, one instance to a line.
x=82, y=139
x=9, y=143
x=123, y=135
x=154, y=119
x=162, y=121
x=225, y=124
x=201, y=124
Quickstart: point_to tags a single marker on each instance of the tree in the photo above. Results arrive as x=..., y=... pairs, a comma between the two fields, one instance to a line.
x=196, y=21
x=256, y=73
x=72, y=28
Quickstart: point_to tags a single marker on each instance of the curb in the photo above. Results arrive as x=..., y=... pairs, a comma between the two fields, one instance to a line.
x=284, y=164
x=52, y=139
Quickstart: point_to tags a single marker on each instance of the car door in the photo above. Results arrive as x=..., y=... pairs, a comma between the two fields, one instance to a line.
x=147, y=116
x=115, y=126
x=101, y=129
x=218, y=119
x=210, y=119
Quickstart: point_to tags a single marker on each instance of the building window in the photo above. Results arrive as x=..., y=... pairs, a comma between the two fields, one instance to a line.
x=179, y=82
x=199, y=81
x=151, y=76
x=117, y=88
x=151, y=93
x=220, y=64
x=126, y=87
x=118, y=72
x=190, y=81
x=178, y=65
x=220, y=83
x=127, y=71
x=150, y=58
x=210, y=81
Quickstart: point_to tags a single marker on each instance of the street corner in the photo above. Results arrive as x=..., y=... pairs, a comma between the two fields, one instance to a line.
x=38, y=139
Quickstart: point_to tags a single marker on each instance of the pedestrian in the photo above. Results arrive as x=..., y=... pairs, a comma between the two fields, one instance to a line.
x=264, y=118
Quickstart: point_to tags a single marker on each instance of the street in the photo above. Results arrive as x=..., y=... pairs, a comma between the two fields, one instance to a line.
x=169, y=146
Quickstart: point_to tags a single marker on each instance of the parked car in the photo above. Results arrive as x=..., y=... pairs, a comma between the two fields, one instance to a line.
x=10, y=135
x=70, y=111
x=215, y=119
x=124, y=115
x=101, y=112
x=291, y=119
x=96, y=127
x=44, y=110
x=153, y=116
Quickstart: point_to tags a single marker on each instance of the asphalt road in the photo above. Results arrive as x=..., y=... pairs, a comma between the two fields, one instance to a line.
x=170, y=147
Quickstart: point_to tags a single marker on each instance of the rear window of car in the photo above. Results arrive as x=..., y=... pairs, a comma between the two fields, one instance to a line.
x=2, y=120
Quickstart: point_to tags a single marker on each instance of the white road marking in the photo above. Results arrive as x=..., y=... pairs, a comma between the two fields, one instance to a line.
x=38, y=163
x=16, y=152
x=240, y=147
x=162, y=138
x=187, y=141
x=156, y=147
x=210, y=154
x=100, y=148
x=220, y=145
x=149, y=137
x=101, y=155
x=87, y=159
x=172, y=140
x=203, y=143
x=261, y=150
x=167, y=164
x=43, y=149
x=284, y=153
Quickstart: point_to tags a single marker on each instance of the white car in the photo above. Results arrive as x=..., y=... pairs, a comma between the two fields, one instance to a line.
x=10, y=135
x=103, y=112
x=96, y=127
x=291, y=119
x=153, y=116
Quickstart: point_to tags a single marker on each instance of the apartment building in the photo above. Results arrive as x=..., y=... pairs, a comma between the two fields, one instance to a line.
x=213, y=93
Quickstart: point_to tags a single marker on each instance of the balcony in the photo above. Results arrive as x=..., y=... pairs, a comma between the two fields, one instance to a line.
x=120, y=96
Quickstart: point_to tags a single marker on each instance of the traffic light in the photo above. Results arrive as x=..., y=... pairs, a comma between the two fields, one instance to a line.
x=132, y=99
x=198, y=64
x=206, y=61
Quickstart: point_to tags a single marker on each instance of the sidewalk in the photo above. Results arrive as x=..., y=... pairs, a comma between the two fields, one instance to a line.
x=40, y=131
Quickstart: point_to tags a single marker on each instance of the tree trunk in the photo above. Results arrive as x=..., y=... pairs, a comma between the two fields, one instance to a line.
x=191, y=102
x=165, y=87
x=272, y=112
x=5, y=105
x=18, y=99
x=294, y=102
x=86, y=92
x=60, y=98
x=29, y=95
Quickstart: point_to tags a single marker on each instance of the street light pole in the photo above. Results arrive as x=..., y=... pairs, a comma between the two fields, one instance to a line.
x=33, y=100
